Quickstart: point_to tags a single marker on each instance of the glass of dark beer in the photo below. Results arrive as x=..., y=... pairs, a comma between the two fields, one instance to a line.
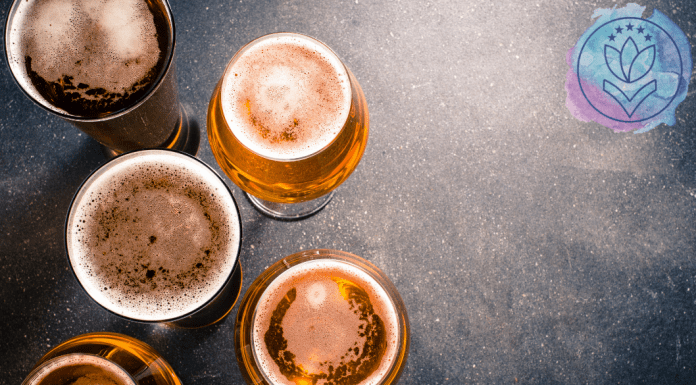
x=102, y=358
x=107, y=68
x=322, y=316
x=154, y=236
x=288, y=123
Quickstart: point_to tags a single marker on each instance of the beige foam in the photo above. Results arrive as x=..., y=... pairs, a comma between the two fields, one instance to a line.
x=153, y=237
x=109, y=44
x=114, y=374
x=286, y=96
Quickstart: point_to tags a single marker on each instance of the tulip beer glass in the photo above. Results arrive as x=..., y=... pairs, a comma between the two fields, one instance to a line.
x=288, y=123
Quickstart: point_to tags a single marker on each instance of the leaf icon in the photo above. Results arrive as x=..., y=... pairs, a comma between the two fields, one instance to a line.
x=629, y=51
x=612, y=57
x=642, y=64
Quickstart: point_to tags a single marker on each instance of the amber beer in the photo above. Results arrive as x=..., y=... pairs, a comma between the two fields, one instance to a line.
x=102, y=358
x=154, y=236
x=106, y=67
x=288, y=122
x=322, y=317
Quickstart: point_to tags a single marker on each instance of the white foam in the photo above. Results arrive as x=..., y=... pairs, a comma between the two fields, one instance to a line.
x=125, y=27
x=333, y=336
x=195, y=222
x=286, y=84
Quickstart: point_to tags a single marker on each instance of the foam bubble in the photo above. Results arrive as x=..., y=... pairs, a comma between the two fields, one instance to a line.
x=322, y=325
x=153, y=236
x=286, y=96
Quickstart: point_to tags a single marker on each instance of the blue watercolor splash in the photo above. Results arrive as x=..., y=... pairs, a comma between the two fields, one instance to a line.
x=628, y=73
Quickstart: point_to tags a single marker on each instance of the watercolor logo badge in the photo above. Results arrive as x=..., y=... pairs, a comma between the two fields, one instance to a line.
x=628, y=73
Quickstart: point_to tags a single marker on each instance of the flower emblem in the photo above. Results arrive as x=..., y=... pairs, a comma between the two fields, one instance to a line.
x=629, y=73
x=629, y=66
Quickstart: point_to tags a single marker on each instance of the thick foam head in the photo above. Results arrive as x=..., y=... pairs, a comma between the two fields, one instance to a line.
x=335, y=322
x=286, y=96
x=153, y=235
x=79, y=369
x=81, y=57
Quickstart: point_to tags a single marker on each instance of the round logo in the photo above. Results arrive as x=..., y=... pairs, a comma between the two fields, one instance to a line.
x=629, y=69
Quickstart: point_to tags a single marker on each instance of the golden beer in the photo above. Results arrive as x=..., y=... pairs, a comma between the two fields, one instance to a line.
x=288, y=122
x=102, y=358
x=322, y=317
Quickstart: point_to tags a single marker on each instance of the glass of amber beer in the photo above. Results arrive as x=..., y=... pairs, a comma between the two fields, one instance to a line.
x=107, y=68
x=322, y=316
x=288, y=123
x=154, y=236
x=102, y=358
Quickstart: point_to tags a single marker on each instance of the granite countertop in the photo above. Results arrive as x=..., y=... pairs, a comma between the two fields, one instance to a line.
x=528, y=246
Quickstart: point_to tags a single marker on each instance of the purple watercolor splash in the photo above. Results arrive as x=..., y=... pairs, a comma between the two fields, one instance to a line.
x=628, y=73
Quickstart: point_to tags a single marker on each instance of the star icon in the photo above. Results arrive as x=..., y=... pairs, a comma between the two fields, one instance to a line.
x=648, y=37
x=641, y=29
x=629, y=27
x=619, y=29
x=612, y=37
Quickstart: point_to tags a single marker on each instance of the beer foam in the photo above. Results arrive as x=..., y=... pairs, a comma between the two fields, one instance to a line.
x=80, y=369
x=95, y=50
x=312, y=306
x=286, y=96
x=154, y=235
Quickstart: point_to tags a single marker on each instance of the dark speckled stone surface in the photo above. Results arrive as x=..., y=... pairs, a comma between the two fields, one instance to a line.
x=529, y=247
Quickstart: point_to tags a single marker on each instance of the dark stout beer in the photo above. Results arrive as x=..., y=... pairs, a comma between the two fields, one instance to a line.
x=89, y=60
x=107, y=67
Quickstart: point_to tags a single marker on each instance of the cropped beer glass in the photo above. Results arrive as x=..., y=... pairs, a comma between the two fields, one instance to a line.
x=102, y=358
x=107, y=68
x=154, y=236
x=322, y=316
x=288, y=123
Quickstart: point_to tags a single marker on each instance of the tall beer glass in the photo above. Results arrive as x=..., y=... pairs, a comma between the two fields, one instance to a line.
x=154, y=236
x=288, y=123
x=322, y=316
x=102, y=358
x=107, y=68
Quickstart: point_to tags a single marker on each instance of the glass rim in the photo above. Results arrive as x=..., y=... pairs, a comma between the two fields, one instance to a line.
x=168, y=65
x=246, y=314
x=38, y=368
x=267, y=36
x=223, y=285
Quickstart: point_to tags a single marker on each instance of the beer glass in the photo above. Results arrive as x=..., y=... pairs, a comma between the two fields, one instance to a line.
x=102, y=358
x=288, y=123
x=108, y=69
x=154, y=236
x=322, y=315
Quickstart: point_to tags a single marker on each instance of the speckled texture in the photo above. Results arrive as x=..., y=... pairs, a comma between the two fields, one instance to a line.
x=528, y=247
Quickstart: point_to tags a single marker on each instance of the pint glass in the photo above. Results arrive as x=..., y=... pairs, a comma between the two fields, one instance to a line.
x=154, y=236
x=322, y=316
x=102, y=358
x=288, y=123
x=107, y=69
